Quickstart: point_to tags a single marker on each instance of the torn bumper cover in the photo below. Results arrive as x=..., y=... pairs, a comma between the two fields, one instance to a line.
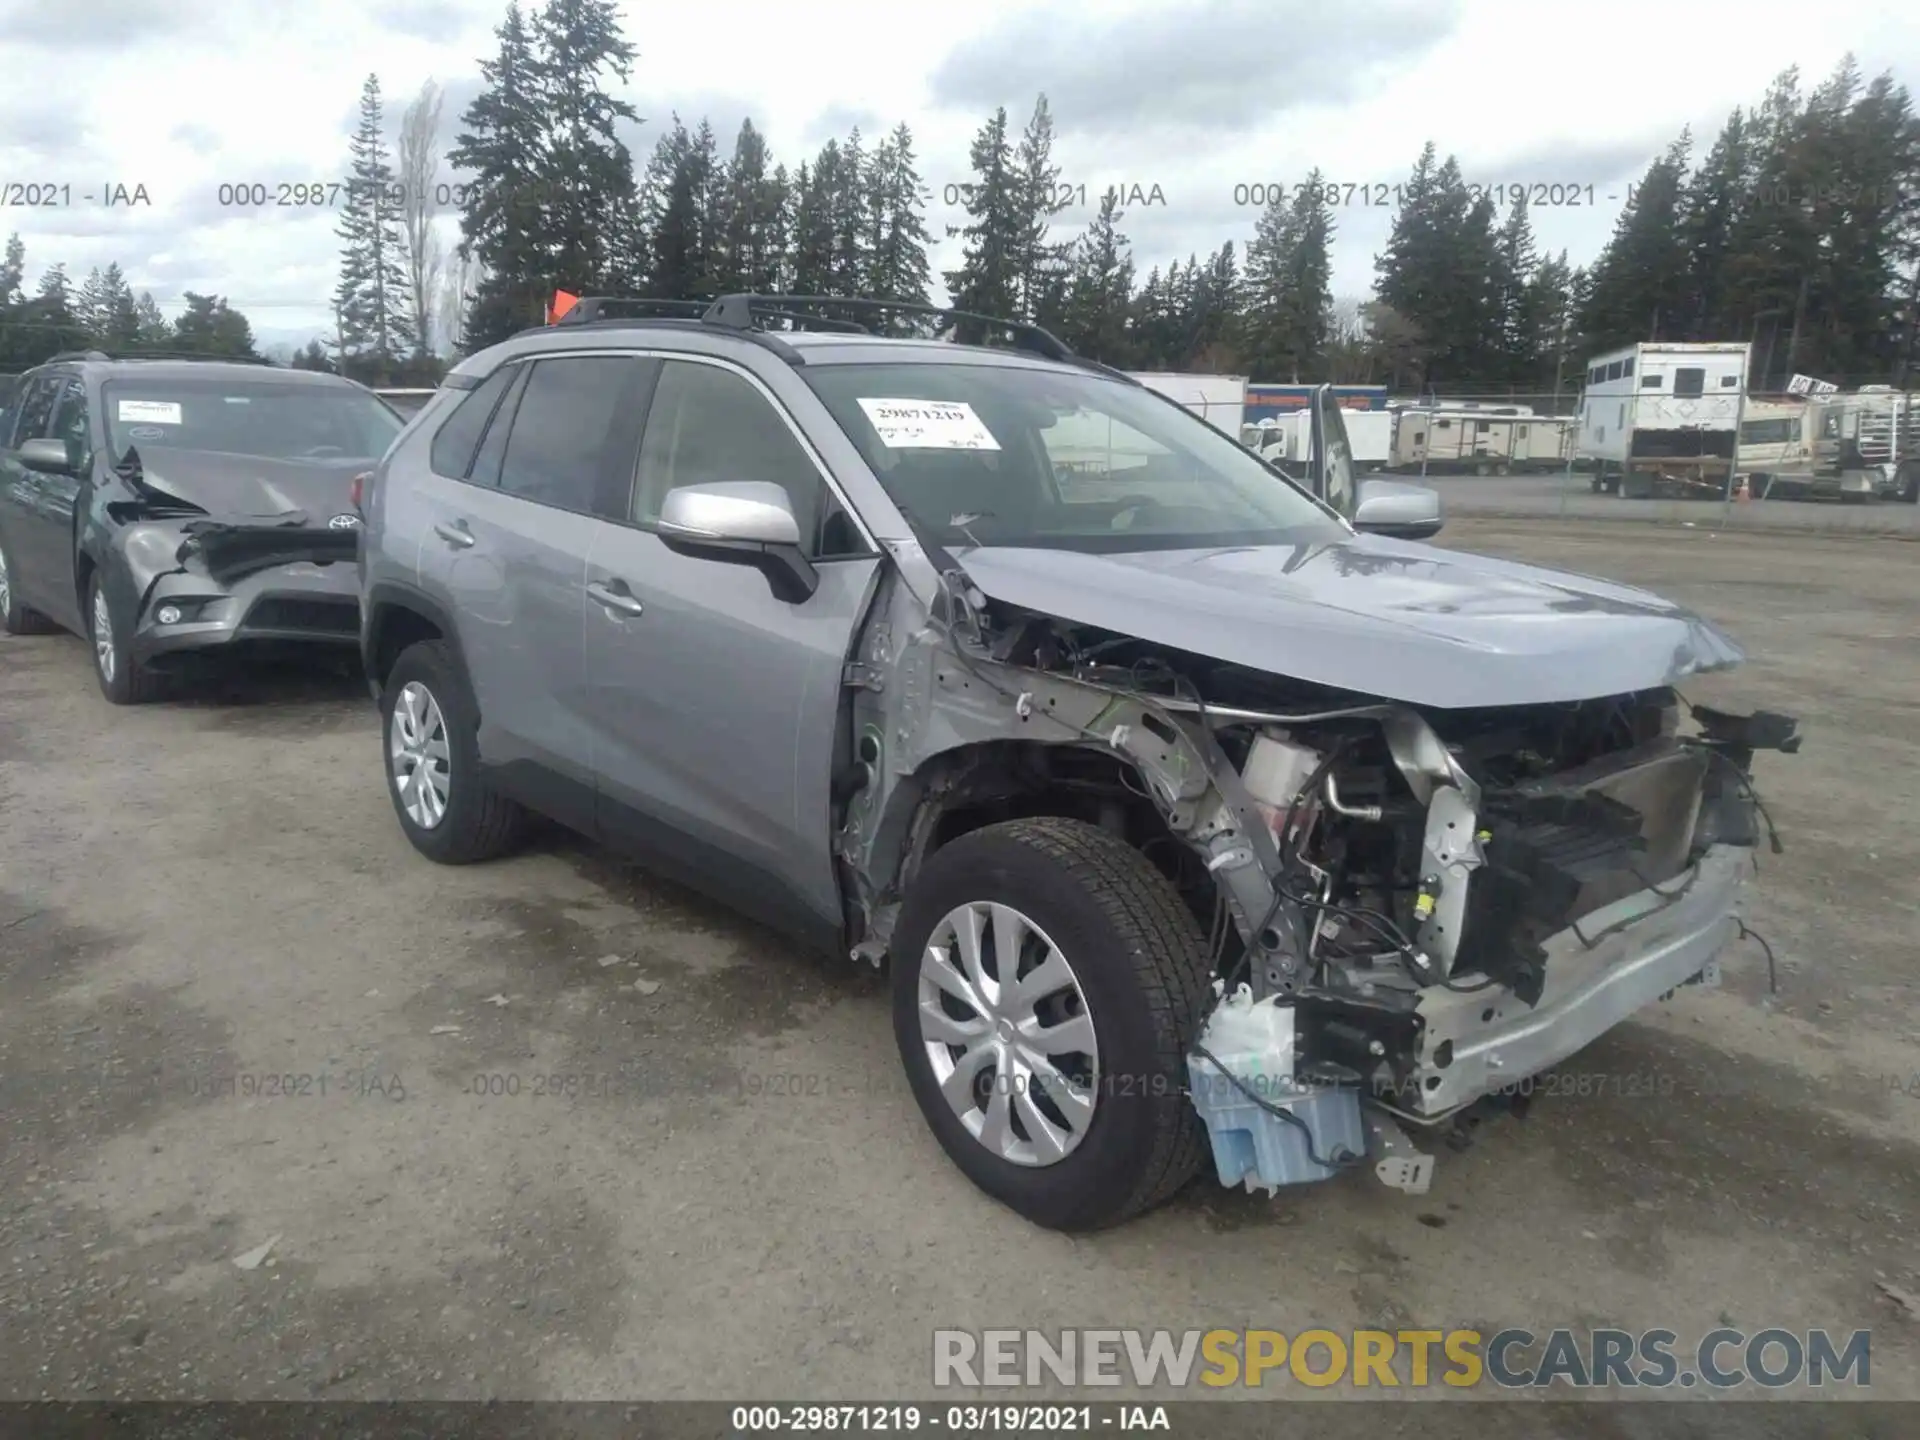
x=210, y=581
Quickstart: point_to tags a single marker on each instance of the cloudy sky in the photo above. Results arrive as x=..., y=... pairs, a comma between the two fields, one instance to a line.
x=1198, y=101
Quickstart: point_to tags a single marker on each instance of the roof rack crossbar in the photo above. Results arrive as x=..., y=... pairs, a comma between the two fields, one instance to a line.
x=736, y=312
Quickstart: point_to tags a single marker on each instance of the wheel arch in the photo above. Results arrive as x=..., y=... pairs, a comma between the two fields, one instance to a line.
x=398, y=616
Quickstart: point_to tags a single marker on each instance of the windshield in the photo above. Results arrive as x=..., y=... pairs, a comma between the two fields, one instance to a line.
x=275, y=421
x=1004, y=455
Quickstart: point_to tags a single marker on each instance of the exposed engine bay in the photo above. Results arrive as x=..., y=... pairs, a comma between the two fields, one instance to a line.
x=1405, y=907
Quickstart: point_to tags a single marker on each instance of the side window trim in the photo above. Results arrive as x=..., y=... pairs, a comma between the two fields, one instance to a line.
x=834, y=492
x=501, y=419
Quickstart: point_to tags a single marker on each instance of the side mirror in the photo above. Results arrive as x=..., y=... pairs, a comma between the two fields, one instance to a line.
x=1397, y=509
x=748, y=522
x=49, y=457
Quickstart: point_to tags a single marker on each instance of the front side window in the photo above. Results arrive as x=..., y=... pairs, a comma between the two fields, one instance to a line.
x=70, y=423
x=709, y=426
x=36, y=410
x=264, y=418
x=1009, y=455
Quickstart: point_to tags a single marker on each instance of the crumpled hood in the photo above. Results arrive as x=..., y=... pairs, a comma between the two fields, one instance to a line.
x=1387, y=618
x=249, y=485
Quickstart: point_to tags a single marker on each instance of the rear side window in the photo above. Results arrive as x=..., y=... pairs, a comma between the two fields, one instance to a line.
x=459, y=435
x=493, y=450
x=575, y=433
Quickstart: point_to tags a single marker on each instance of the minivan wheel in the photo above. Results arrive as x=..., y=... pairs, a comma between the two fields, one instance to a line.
x=1047, y=981
x=123, y=680
x=15, y=618
x=430, y=732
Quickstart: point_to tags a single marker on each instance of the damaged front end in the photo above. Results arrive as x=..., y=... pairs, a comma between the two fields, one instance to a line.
x=1409, y=909
x=198, y=579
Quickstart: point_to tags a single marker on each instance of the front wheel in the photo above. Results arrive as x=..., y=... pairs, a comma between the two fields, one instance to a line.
x=431, y=729
x=123, y=679
x=1047, y=981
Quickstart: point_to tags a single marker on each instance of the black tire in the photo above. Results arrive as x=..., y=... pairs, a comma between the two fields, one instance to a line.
x=15, y=618
x=1141, y=963
x=130, y=682
x=479, y=823
x=1908, y=478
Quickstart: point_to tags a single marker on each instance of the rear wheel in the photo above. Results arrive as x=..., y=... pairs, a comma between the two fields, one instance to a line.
x=431, y=731
x=15, y=618
x=1907, y=478
x=123, y=679
x=1047, y=981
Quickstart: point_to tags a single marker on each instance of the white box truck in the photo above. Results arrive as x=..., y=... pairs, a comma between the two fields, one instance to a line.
x=1663, y=417
x=1220, y=400
x=1288, y=438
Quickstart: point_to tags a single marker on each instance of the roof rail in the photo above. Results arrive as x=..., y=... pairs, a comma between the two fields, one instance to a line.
x=667, y=314
x=157, y=355
x=737, y=312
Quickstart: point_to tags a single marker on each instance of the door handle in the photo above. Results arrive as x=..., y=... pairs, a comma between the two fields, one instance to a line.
x=611, y=599
x=456, y=534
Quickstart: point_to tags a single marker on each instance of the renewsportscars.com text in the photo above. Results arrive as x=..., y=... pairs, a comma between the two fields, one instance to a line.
x=1414, y=1359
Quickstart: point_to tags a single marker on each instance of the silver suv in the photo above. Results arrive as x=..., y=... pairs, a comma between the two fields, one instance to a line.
x=1197, y=810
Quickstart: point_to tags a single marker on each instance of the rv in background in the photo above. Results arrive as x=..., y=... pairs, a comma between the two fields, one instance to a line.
x=1478, y=439
x=1663, y=417
x=1776, y=446
x=1220, y=400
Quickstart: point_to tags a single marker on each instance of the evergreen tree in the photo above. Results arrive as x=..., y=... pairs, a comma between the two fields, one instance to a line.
x=1100, y=290
x=848, y=209
x=1217, y=318
x=751, y=213
x=1039, y=262
x=1519, y=341
x=152, y=329
x=209, y=326
x=670, y=204
x=813, y=237
x=998, y=223
x=370, y=303
x=897, y=227
x=585, y=171
x=502, y=222
x=1642, y=281
x=53, y=311
x=13, y=272
x=1288, y=308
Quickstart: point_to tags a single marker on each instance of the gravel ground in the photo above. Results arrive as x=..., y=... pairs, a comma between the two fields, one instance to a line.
x=548, y=1128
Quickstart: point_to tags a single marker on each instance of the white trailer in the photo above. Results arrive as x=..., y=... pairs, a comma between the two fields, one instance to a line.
x=1220, y=400
x=1663, y=416
x=1478, y=439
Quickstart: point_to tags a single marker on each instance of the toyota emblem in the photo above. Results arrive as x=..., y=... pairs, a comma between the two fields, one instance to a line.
x=344, y=522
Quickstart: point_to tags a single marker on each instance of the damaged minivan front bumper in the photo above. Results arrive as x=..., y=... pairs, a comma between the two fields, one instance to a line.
x=208, y=582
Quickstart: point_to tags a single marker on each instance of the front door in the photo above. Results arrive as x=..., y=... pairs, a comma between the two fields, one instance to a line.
x=715, y=704
x=29, y=502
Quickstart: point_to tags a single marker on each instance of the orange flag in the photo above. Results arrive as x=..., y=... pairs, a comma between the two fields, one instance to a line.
x=562, y=303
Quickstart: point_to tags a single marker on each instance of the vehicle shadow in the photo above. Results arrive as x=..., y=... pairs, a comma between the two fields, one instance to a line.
x=233, y=689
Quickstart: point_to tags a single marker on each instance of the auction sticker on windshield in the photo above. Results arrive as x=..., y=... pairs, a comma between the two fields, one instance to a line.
x=928, y=425
x=151, y=412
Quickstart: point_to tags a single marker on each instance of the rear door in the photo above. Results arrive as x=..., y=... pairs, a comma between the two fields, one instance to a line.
x=506, y=553
x=715, y=704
